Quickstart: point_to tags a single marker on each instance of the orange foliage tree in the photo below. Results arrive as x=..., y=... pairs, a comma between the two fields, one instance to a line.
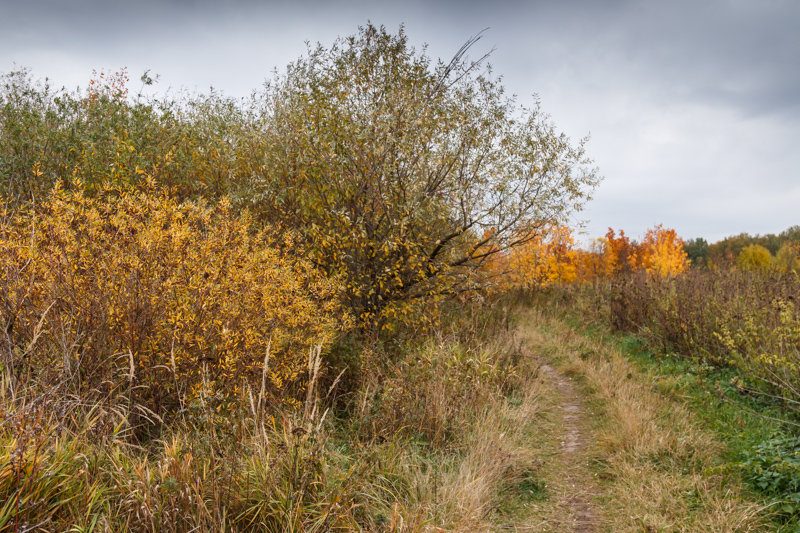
x=619, y=253
x=661, y=252
x=553, y=257
x=548, y=258
x=608, y=256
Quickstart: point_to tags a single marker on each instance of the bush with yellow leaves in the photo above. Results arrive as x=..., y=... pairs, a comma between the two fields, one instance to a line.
x=130, y=294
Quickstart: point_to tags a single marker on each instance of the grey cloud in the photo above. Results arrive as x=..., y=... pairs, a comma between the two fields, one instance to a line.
x=693, y=106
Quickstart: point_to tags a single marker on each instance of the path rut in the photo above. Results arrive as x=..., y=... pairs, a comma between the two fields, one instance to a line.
x=577, y=490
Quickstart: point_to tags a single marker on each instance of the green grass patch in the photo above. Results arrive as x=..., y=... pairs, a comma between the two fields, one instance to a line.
x=518, y=495
x=530, y=488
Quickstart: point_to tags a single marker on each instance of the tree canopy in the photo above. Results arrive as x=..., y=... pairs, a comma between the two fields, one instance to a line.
x=403, y=173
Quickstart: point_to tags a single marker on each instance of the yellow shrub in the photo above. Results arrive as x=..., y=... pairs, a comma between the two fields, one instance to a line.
x=132, y=292
x=768, y=353
x=754, y=257
x=788, y=257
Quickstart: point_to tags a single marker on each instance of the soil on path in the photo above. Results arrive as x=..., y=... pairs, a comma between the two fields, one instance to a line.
x=576, y=476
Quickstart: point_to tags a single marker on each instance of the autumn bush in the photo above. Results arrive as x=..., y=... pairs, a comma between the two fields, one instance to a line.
x=129, y=292
x=788, y=258
x=194, y=144
x=754, y=257
x=404, y=173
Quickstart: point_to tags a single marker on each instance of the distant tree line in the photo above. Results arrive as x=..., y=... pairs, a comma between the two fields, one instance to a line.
x=747, y=251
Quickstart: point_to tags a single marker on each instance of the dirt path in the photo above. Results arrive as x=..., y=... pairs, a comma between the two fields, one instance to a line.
x=577, y=490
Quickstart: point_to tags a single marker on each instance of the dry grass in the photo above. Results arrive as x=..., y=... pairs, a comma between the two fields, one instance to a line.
x=468, y=394
x=431, y=444
x=452, y=433
x=498, y=454
x=650, y=453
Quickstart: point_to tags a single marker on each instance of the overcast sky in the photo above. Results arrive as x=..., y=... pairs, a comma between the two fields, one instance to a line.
x=693, y=107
